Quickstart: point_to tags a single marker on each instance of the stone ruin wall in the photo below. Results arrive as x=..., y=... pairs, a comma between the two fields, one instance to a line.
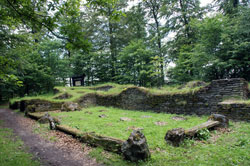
x=205, y=101
x=37, y=105
x=238, y=111
x=202, y=102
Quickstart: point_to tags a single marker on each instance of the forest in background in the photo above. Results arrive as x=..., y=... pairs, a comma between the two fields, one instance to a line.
x=44, y=42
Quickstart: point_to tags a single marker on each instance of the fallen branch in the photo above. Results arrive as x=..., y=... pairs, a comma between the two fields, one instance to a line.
x=108, y=143
x=35, y=116
x=206, y=125
x=176, y=136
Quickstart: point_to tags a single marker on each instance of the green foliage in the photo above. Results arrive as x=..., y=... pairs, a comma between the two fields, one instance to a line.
x=203, y=134
x=12, y=151
x=43, y=43
x=242, y=142
x=219, y=50
x=230, y=7
x=135, y=65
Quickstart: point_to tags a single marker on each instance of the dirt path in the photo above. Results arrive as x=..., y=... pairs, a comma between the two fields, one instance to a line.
x=65, y=151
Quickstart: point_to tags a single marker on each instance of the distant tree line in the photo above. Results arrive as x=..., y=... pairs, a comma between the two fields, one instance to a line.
x=45, y=42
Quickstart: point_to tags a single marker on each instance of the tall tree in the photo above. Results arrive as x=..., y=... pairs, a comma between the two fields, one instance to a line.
x=136, y=64
x=154, y=7
x=113, y=27
x=182, y=13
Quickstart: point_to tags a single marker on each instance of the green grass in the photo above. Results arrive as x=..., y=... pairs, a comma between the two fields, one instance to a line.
x=230, y=148
x=112, y=125
x=44, y=97
x=78, y=92
x=12, y=152
x=173, y=90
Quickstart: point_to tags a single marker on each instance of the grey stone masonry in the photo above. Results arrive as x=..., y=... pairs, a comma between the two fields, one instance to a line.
x=202, y=102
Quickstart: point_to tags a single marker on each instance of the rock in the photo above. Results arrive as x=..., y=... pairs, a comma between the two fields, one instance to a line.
x=136, y=147
x=44, y=119
x=52, y=123
x=88, y=112
x=102, y=116
x=224, y=121
x=146, y=116
x=70, y=106
x=179, y=118
x=175, y=136
x=125, y=119
x=161, y=123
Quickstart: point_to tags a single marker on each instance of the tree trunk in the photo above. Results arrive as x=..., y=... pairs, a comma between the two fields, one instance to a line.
x=206, y=125
x=155, y=11
x=108, y=143
x=112, y=47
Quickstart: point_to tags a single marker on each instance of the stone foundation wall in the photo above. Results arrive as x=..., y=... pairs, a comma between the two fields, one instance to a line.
x=236, y=111
x=202, y=102
x=37, y=105
x=219, y=90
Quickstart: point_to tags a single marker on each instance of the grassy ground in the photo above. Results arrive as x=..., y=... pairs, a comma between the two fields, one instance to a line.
x=223, y=147
x=229, y=148
x=12, y=152
x=88, y=120
x=77, y=92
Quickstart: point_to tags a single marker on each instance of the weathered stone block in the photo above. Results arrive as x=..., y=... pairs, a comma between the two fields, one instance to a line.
x=70, y=106
x=136, y=147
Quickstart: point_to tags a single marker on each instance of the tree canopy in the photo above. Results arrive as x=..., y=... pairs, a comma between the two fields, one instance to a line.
x=43, y=42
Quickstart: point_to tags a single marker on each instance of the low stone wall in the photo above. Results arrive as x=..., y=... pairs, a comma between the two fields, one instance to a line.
x=220, y=90
x=37, y=105
x=87, y=100
x=202, y=102
x=236, y=111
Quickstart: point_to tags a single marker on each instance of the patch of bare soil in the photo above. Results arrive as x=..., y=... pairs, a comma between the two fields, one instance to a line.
x=63, y=150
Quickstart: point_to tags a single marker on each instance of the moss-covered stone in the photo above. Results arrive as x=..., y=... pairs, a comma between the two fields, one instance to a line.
x=37, y=105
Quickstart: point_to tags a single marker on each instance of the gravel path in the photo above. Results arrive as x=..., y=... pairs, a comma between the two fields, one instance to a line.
x=65, y=151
